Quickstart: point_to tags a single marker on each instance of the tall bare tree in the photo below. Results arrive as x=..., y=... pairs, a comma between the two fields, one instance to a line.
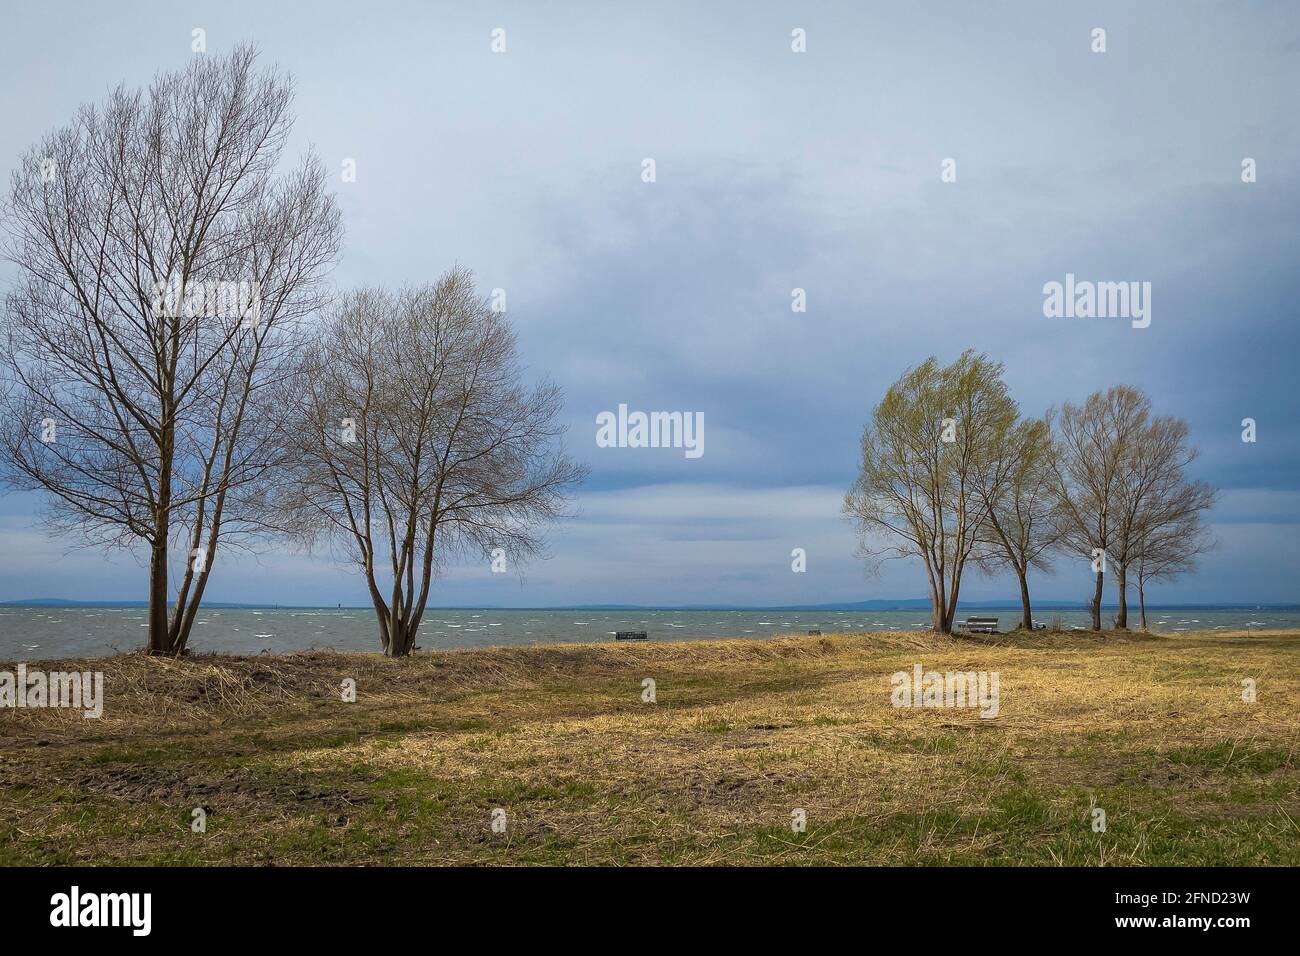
x=930, y=463
x=418, y=441
x=164, y=264
x=1022, y=525
x=1154, y=496
x=1093, y=441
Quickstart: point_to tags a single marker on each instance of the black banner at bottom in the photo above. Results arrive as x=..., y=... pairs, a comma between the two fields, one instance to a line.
x=338, y=905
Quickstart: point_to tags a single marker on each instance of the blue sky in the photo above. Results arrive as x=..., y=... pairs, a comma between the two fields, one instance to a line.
x=775, y=170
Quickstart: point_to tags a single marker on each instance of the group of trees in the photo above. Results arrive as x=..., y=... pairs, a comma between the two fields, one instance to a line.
x=953, y=475
x=163, y=419
x=159, y=418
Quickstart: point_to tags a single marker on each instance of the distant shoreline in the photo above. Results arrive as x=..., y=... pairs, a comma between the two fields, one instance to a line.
x=848, y=607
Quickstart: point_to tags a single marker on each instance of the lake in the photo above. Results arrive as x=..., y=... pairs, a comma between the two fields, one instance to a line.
x=32, y=633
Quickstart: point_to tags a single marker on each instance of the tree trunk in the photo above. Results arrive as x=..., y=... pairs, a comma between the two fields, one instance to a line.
x=1096, y=602
x=185, y=622
x=160, y=637
x=401, y=639
x=950, y=613
x=1121, y=619
x=1142, y=603
x=160, y=643
x=1027, y=621
x=937, y=602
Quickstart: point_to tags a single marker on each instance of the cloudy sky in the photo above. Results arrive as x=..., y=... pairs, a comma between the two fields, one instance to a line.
x=775, y=170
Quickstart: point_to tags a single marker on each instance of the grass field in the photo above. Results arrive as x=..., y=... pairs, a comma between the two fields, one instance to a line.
x=1151, y=729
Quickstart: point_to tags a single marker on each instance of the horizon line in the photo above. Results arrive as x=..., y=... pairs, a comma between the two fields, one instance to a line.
x=921, y=604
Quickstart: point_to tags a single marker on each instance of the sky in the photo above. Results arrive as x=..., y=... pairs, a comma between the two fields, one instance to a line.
x=774, y=170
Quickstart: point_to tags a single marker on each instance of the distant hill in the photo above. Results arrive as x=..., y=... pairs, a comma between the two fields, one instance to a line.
x=908, y=604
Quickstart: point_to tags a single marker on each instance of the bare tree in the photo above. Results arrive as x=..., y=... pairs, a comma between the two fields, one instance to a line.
x=930, y=463
x=1168, y=551
x=164, y=264
x=1153, y=497
x=1092, y=443
x=1022, y=524
x=418, y=441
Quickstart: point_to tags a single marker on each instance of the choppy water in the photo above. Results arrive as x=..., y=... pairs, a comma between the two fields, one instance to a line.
x=42, y=633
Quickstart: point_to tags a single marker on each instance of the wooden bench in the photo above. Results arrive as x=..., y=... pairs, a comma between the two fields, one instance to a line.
x=630, y=636
x=980, y=625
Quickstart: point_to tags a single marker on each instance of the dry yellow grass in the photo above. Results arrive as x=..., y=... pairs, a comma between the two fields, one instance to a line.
x=1151, y=729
